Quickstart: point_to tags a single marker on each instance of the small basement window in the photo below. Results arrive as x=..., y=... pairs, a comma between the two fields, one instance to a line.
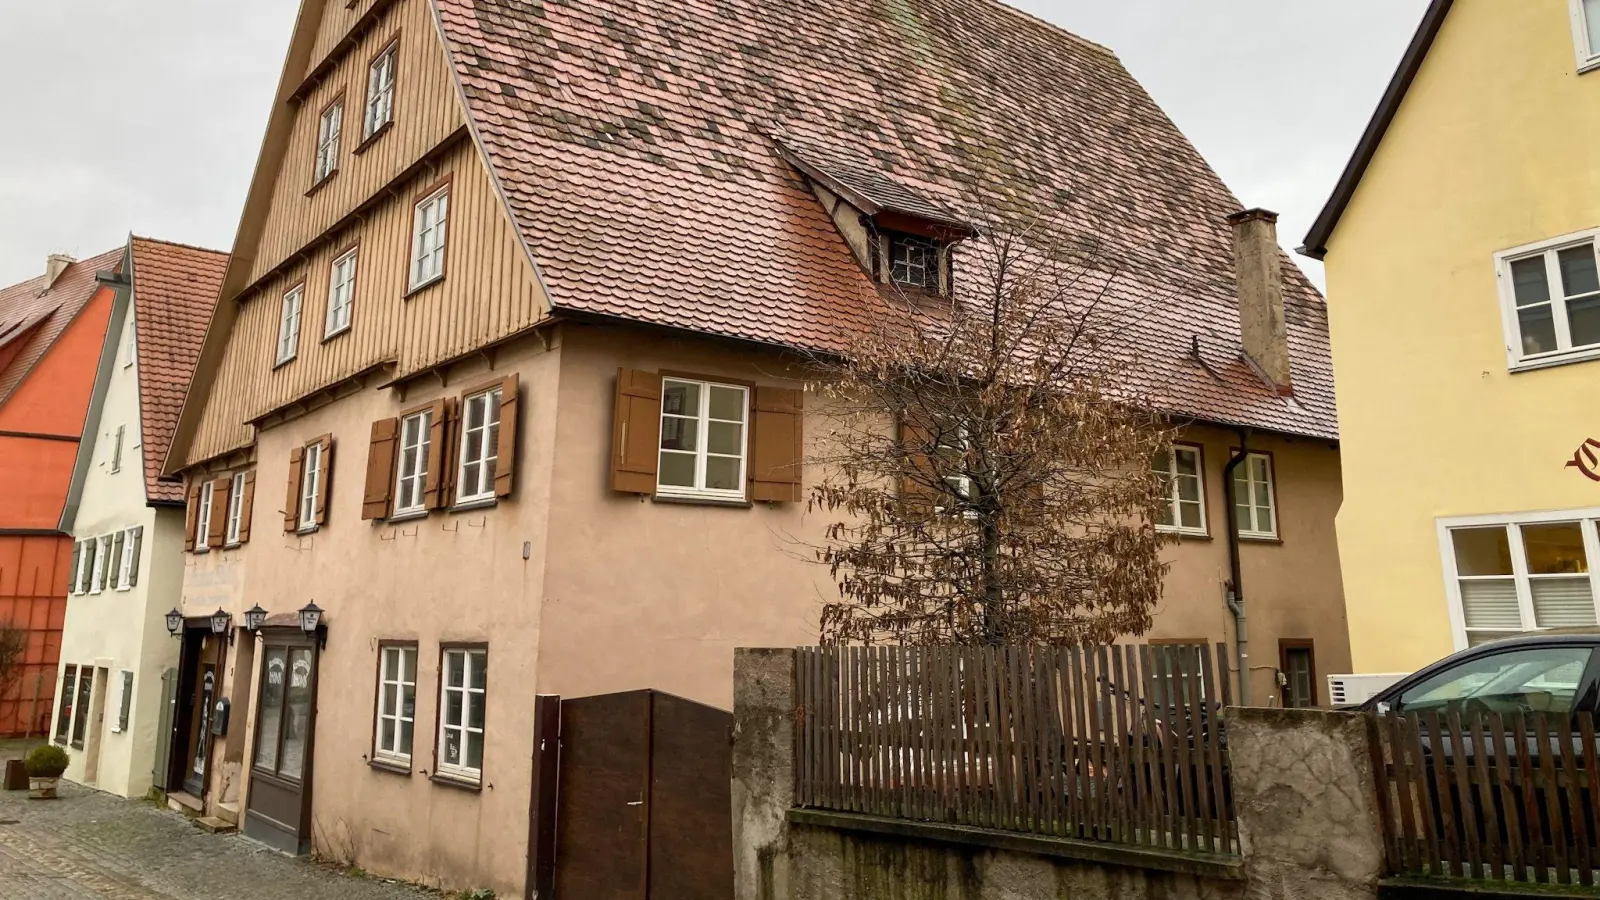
x=913, y=261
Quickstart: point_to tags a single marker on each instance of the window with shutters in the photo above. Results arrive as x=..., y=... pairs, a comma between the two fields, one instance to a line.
x=462, y=691
x=380, y=91
x=397, y=703
x=1183, y=473
x=702, y=439
x=202, y=528
x=412, y=471
x=102, y=564
x=235, y=508
x=289, y=324
x=328, y=128
x=341, y=294
x=124, y=702
x=428, y=234
x=117, y=578
x=131, y=542
x=310, y=487
x=1510, y=574
x=1253, y=497
x=480, y=443
x=86, y=566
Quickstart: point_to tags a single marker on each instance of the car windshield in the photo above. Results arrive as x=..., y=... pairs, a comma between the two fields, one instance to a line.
x=1533, y=680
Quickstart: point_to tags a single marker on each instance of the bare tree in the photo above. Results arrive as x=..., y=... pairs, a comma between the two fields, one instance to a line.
x=987, y=459
x=13, y=648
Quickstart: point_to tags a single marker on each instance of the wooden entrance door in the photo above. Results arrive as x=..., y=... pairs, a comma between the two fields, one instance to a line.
x=197, y=692
x=278, y=812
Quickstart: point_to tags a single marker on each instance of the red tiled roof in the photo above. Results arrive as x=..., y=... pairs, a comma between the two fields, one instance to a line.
x=636, y=144
x=174, y=289
x=36, y=313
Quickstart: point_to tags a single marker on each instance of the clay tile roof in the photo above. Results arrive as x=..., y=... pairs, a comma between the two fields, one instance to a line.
x=33, y=314
x=638, y=144
x=174, y=289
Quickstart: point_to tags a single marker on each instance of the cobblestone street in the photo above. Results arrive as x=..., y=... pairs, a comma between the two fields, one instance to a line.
x=89, y=844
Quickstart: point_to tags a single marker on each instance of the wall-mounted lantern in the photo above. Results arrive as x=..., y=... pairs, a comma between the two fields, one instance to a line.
x=253, y=617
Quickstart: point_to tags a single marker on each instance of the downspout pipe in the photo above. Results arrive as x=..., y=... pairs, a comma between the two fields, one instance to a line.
x=1234, y=589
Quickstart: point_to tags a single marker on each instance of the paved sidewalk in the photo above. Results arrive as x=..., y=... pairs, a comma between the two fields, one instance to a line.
x=89, y=844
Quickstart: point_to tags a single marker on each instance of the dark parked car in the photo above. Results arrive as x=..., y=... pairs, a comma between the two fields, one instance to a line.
x=1555, y=672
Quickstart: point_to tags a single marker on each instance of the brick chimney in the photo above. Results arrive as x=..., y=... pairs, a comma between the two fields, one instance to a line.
x=54, y=265
x=1260, y=288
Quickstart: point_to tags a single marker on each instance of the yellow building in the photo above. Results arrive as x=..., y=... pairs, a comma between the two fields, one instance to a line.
x=1465, y=304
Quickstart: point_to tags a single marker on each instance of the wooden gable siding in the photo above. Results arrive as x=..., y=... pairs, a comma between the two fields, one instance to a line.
x=338, y=17
x=489, y=291
x=427, y=110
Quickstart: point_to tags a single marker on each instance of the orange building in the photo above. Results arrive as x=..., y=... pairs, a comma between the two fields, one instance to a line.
x=52, y=335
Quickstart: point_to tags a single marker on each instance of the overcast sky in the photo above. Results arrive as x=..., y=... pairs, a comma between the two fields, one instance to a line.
x=147, y=115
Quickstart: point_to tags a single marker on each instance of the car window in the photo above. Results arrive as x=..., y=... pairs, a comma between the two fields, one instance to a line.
x=1540, y=679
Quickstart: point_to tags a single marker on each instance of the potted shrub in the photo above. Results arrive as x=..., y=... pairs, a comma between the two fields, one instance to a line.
x=45, y=765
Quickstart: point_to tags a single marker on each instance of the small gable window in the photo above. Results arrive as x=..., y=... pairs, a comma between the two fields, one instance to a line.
x=913, y=261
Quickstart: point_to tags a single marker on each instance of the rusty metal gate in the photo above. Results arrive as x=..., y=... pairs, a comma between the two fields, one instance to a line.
x=631, y=800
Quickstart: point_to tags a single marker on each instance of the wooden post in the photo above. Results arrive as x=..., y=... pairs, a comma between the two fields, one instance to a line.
x=542, y=822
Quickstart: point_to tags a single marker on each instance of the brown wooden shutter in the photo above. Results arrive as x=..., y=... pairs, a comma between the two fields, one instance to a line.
x=219, y=512
x=247, y=506
x=915, y=486
x=438, y=451
x=775, y=444
x=191, y=514
x=636, y=432
x=505, y=465
x=450, y=459
x=379, y=491
x=291, y=508
x=325, y=483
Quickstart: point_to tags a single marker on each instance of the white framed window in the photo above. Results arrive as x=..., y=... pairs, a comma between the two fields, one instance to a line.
x=341, y=293
x=1550, y=301
x=397, y=703
x=703, y=441
x=1586, y=33
x=1508, y=574
x=461, y=707
x=202, y=517
x=913, y=261
x=955, y=441
x=235, y=508
x=289, y=324
x=1254, y=505
x=412, y=471
x=1182, y=471
x=480, y=446
x=328, y=128
x=428, y=237
x=115, y=562
x=133, y=343
x=380, y=92
x=116, y=449
x=103, y=563
x=310, y=485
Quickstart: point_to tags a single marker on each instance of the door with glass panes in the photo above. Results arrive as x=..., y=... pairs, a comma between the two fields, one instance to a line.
x=278, y=812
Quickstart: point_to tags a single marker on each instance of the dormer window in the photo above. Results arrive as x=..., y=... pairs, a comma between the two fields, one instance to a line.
x=913, y=261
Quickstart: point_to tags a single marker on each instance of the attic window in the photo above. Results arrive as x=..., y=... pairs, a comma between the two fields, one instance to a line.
x=913, y=261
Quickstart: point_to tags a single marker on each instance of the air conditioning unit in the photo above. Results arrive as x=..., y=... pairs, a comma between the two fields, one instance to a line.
x=1352, y=690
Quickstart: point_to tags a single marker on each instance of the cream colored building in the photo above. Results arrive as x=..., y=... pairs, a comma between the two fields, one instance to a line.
x=506, y=378
x=127, y=523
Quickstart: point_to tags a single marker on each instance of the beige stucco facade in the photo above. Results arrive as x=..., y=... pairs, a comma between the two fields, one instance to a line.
x=120, y=629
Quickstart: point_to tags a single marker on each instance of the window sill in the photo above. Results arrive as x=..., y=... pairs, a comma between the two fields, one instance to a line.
x=419, y=288
x=409, y=515
x=324, y=180
x=1545, y=362
x=1185, y=535
x=304, y=530
x=282, y=362
x=335, y=333
x=1260, y=538
x=393, y=768
x=684, y=500
x=479, y=503
x=372, y=138
x=1589, y=65
x=457, y=782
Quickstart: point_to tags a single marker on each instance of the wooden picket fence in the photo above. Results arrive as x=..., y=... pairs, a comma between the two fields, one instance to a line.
x=1120, y=744
x=1489, y=797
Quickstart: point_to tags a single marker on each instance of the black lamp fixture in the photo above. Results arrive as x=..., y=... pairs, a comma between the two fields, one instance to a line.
x=175, y=623
x=253, y=617
x=219, y=623
x=311, y=621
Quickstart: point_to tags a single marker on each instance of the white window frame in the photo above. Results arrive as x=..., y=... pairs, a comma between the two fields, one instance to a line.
x=329, y=126
x=133, y=344
x=341, y=294
x=428, y=260
x=380, y=91
x=1588, y=58
x=386, y=677
x=116, y=449
x=202, y=517
x=102, y=558
x=86, y=562
x=125, y=563
x=703, y=420
x=1253, y=489
x=1589, y=519
x=1564, y=353
x=417, y=478
x=470, y=656
x=289, y=323
x=235, y=509
x=310, y=486
x=1173, y=505
x=476, y=441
